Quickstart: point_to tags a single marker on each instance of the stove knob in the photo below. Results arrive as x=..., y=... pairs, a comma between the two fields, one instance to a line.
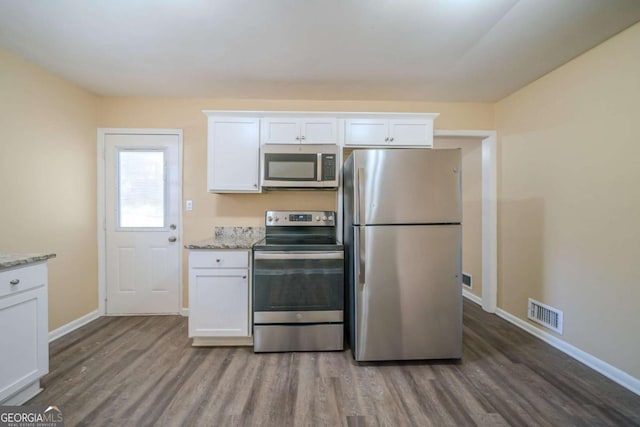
x=317, y=218
x=324, y=218
x=269, y=218
x=277, y=219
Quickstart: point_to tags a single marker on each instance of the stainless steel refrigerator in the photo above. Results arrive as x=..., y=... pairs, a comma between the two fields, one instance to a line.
x=403, y=236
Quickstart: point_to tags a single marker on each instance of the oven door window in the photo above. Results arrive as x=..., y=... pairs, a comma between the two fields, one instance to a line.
x=290, y=167
x=298, y=284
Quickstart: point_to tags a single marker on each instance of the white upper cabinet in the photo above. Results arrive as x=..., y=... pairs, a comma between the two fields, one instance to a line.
x=367, y=132
x=234, y=138
x=389, y=132
x=411, y=132
x=233, y=155
x=319, y=130
x=305, y=130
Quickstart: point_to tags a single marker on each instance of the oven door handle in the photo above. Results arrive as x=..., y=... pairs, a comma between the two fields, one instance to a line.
x=297, y=255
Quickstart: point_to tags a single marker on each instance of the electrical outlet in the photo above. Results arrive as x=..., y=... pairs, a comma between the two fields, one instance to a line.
x=189, y=205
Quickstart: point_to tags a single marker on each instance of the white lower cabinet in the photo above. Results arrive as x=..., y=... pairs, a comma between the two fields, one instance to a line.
x=24, y=330
x=219, y=296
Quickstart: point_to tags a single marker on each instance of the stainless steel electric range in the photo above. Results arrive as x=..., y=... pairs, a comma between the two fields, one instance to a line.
x=298, y=283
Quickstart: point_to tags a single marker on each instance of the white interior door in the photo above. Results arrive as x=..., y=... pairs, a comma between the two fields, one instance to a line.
x=143, y=196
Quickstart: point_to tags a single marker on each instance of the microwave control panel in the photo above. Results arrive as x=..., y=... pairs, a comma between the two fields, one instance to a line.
x=328, y=167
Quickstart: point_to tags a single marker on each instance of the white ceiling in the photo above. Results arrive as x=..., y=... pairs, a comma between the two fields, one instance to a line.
x=430, y=50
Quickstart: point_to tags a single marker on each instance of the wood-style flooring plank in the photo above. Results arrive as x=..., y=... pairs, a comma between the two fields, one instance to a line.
x=139, y=371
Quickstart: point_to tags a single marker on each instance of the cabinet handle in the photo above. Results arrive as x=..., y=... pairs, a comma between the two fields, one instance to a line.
x=14, y=282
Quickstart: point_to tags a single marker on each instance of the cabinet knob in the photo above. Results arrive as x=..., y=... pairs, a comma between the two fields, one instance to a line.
x=14, y=282
x=217, y=260
x=172, y=239
x=386, y=139
x=297, y=138
x=244, y=277
x=391, y=139
x=302, y=137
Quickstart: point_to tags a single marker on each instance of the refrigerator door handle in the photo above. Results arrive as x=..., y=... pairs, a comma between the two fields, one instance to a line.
x=361, y=209
x=360, y=251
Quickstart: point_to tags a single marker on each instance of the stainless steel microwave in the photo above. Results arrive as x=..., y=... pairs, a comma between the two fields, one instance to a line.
x=301, y=166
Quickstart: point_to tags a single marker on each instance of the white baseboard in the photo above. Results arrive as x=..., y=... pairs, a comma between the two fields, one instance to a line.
x=471, y=297
x=184, y=312
x=73, y=325
x=609, y=371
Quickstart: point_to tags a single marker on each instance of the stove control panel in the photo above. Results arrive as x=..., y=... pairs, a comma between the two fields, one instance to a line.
x=295, y=218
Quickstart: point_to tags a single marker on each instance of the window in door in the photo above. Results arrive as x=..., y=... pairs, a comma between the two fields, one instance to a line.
x=142, y=189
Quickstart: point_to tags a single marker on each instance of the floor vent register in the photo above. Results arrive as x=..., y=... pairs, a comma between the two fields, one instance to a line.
x=545, y=315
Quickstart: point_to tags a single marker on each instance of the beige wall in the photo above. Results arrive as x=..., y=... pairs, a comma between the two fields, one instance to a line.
x=248, y=209
x=570, y=199
x=47, y=181
x=471, y=205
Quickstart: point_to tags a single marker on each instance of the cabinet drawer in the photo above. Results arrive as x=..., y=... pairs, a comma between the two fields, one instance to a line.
x=20, y=279
x=218, y=259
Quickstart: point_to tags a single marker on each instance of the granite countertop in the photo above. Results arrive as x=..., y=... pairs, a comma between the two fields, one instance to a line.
x=230, y=238
x=12, y=260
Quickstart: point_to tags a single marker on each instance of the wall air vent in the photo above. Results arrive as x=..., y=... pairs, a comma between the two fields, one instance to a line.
x=545, y=315
x=466, y=280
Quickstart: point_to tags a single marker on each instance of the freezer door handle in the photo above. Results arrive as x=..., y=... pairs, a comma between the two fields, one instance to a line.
x=360, y=254
x=361, y=214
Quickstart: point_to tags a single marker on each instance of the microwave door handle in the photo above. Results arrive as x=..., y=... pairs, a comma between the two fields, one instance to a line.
x=319, y=167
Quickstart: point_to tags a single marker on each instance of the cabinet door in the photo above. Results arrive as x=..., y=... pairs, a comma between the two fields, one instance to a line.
x=218, y=303
x=366, y=132
x=280, y=131
x=233, y=155
x=319, y=131
x=411, y=132
x=25, y=349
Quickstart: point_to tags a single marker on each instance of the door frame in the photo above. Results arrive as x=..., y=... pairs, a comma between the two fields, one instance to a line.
x=489, y=140
x=102, y=228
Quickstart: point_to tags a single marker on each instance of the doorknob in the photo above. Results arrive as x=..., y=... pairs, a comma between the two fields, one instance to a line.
x=172, y=239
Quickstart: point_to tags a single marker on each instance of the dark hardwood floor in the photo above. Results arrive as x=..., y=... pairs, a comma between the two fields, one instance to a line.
x=138, y=371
